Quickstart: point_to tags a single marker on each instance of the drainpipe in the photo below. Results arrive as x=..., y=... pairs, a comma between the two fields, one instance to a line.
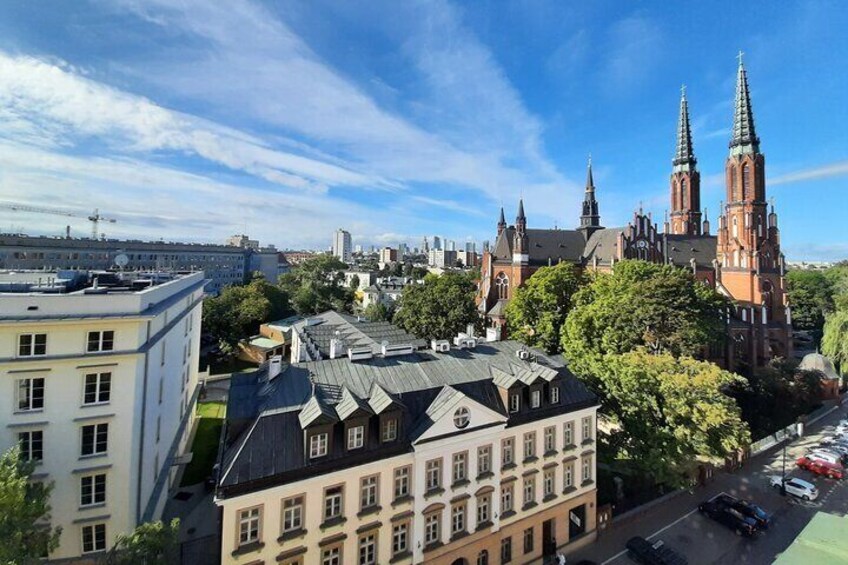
x=143, y=418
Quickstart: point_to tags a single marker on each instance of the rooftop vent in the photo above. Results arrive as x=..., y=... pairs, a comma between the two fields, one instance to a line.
x=399, y=349
x=360, y=353
x=465, y=341
x=275, y=366
x=440, y=345
x=523, y=354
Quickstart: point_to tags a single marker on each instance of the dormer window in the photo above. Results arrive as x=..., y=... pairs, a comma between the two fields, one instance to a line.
x=554, y=395
x=514, y=402
x=390, y=429
x=535, y=398
x=318, y=445
x=355, y=437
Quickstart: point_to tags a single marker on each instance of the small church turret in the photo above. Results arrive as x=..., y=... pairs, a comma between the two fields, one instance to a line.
x=590, y=219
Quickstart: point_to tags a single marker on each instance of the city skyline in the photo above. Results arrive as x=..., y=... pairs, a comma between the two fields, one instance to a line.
x=335, y=115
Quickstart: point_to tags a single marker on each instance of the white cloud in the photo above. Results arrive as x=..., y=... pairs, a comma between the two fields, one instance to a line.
x=830, y=170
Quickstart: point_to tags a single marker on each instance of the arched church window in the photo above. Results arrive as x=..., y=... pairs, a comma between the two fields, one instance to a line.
x=735, y=227
x=683, y=196
x=502, y=285
x=733, y=184
x=759, y=225
x=746, y=181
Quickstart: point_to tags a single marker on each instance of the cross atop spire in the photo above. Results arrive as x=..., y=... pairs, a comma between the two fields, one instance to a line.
x=739, y=56
x=684, y=155
x=744, y=138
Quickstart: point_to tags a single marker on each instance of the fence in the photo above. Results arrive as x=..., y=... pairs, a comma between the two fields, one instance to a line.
x=789, y=432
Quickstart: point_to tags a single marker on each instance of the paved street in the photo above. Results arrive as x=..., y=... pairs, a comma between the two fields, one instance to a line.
x=703, y=541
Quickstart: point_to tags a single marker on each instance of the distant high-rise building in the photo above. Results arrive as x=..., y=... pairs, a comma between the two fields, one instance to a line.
x=470, y=247
x=426, y=245
x=402, y=250
x=342, y=245
x=388, y=255
x=437, y=242
x=450, y=245
x=243, y=241
x=357, y=248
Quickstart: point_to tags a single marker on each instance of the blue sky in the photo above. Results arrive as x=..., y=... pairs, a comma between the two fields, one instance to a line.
x=194, y=120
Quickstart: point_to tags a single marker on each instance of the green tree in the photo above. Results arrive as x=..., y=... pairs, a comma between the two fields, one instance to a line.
x=151, y=543
x=538, y=309
x=378, y=312
x=25, y=533
x=317, y=285
x=811, y=297
x=669, y=413
x=354, y=283
x=438, y=309
x=660, y=307
x=835, y=339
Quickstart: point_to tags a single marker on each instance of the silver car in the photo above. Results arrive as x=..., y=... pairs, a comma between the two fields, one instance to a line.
x=796, y=487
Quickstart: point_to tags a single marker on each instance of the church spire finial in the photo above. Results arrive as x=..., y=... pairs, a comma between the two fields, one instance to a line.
x=590, y=181
x=684, y=155
x=744, y=137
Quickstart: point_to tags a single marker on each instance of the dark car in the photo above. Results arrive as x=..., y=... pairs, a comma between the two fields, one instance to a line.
x=730, y=517
x=642, y=551
x=746, y=508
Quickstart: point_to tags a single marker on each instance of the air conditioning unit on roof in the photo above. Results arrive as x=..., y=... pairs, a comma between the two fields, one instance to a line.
x=440, y=345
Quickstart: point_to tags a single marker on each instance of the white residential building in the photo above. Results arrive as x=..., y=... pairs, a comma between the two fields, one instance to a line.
x=98, y=384
x=342, y=245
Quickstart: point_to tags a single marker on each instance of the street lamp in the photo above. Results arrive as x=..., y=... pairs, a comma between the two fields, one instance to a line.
x=783, y=479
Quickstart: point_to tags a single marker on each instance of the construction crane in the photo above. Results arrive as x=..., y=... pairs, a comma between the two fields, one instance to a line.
x=95, y=218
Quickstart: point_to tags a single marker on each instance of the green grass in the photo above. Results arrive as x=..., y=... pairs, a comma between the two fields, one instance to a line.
x=211, y=409
x=205, y=449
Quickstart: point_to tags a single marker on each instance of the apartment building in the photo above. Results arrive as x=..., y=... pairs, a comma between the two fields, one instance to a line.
x=99, y=377
x=479, y=455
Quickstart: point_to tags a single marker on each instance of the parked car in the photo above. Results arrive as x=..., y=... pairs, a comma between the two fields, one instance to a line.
x=825, y=455
x=796, y=487
x=733, y=519
x=746, y=508
x=840, y=452
x=642, y=551
x=820, y=467
x=840, y=447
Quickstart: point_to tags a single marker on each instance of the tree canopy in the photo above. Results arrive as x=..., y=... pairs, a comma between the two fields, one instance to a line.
x=538, y=309
x=438, y=309
x=378, y=312
x=317, y=285
x=25, y=533
x=659, y=307
x=669, y=412
x=835, y=340
x=151, y=543
x=811, y=296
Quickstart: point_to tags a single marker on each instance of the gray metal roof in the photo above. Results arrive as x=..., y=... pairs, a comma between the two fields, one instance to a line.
x=681, y=249
x=602, y=244
x=350, y=405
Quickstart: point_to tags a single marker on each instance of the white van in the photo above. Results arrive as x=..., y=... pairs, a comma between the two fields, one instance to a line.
x=823, y=455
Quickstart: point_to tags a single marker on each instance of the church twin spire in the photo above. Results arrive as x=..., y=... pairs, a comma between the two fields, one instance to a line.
x=744, y=138
x=684, y=155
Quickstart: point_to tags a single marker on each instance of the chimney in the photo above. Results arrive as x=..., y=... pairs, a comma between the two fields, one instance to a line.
x=275, y=366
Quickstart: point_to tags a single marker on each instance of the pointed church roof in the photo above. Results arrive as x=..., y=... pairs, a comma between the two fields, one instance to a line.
x=502, y=221
x=520, y=210
x=590, y=181
x=744, y=138
x=684, y=154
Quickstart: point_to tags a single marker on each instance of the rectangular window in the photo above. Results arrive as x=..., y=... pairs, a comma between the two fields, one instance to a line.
x=506, y=550
x=483, y=507
x=528, y=540
x=401, y=482
x=586, y=474
x=355, y=437
x=529, y=490
x=390, y=429
x=100, y=341
x=293, y=514
x=484, y=459
x=333, y=502
x=550, y=439
x=95, y=439
x=317, y=445
x=549, y=482
x=506, y=497
x=587, y=428
x=460, y=466
x=535, y=398
x=93, y=538
x=457, y=519
x=368, y=550
x=368, y=488
x=400, y=538
x=32, y=445
x=529, y=445
x=249, y=524
x=92, y=490
x=98, y=388
x=433, y=527
x=30, y=394
x=514, y=402
x=554, y=395
x=434, y=474
x=32, y=345
x=331, y=556
x=508, y=451
x=567, y=475
x=568, y=434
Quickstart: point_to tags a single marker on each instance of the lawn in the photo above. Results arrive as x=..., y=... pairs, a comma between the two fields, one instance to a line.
x=211, y=409
x=205, y=446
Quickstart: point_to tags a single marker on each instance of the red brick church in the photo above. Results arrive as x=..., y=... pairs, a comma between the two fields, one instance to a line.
x=742, y=260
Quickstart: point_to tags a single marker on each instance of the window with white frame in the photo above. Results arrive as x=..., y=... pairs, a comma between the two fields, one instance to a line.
x=93, y=489
x=484, y=459
x=535, y=398
x=331, y=556
x=368, y=549
x=529, y=445
x=93, y=538
x=434, y=474
x=368, y=489
x=484, y=503
x=95, y=439
x=317, y=445
x=390, y=429
x=508, y=451
x=460, y=466
x=548, y=482
x=554, y=395
x=587, y=428
x=514, y=402
x=402, y=482
x=30, y=394
x=457, y=519
x=567, y=475
x=507, y=492
x=400, y=538
x=355, y=437
x=529, y=490
x=32, y=445
x=568, y=434
x=100, y=341
x=293, y=514
x=587, y=469
x=97, y=388
x=506, y=550
x=32, y=345
x=433, y=527
x=249, y=523
x=333, y=497
x=550, y=439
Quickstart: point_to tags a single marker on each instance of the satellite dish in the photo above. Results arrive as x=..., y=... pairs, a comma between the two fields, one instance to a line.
x=122, y=260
